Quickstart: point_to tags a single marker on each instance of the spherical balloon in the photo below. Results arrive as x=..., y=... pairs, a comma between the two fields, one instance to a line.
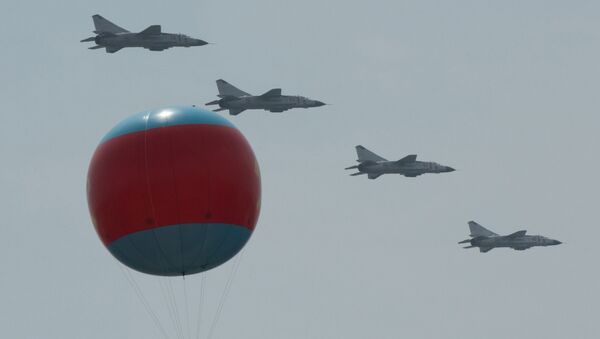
x=174, y=191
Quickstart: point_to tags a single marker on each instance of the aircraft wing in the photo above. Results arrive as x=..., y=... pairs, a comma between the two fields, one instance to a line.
x=407, y=159
x=516, y=234
x=373, y=175
x=412, y=175
x=151, y=30
x=274, y=93
x=485, y=249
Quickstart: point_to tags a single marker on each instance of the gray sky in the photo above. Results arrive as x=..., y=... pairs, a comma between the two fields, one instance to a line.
x=506, y=92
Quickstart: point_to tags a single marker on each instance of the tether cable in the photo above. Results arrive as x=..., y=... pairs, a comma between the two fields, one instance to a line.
x=129, y=277
x=234, y=269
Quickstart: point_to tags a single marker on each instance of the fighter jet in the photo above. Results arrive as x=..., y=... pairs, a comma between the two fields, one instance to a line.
x=236, y=101
x=486, y=240
x=113, y=37
x=373, y=165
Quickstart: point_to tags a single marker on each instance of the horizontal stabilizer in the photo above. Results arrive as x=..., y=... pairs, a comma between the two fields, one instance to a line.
x=275, y=92
x=219, y=109
x=469, y=246
x=517, y=234
x=92, y=38
x=464, y=241
x=357, y=173
x=351, y=167
x=96, y=47
x=366, y=155
x=235, y=111
x=480, y=231
x=215, y=102
x=113, y=49
x=407, y=159
x=104, y=26
x=151, y=30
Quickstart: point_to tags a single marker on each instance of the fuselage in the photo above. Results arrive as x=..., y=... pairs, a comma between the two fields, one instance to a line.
x=518, y=243
x=153, y=42
x=410, y=169
x=276, y=104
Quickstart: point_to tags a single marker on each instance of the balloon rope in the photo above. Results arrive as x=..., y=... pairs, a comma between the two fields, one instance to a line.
x=170, y=307
x=234, y=269
x=200, y=306
x=138, y=291
x=176, y=308
x=187, y=310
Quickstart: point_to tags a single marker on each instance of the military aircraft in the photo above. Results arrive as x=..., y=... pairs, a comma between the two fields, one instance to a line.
x=486, y=240
x=373, y=165
x=236, y=101
x=113, y=37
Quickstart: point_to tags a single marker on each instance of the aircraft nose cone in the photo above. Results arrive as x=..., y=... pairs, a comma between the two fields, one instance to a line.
x=319, y=103
x=556, y=242
x=199, y=42
x=450, y=169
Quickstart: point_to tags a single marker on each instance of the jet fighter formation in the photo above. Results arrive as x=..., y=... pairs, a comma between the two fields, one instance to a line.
x=236, y=101
x=374, y=166
x=487, y=240
x=113, y=38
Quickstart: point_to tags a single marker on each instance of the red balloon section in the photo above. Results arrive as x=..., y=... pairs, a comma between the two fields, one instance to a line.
x=174, y=191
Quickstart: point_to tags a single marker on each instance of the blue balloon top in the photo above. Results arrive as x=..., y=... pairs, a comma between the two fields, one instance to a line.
x=169, y=116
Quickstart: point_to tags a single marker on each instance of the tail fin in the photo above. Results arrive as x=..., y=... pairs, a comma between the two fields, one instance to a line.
x=480, y=231
x=366, y=155
x=226, y=89
x=104, y=26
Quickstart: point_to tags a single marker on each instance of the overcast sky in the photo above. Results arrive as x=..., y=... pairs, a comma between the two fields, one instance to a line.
x=506, y=92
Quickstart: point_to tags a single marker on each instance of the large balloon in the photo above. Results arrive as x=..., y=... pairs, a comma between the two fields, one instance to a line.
x=174, y=191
